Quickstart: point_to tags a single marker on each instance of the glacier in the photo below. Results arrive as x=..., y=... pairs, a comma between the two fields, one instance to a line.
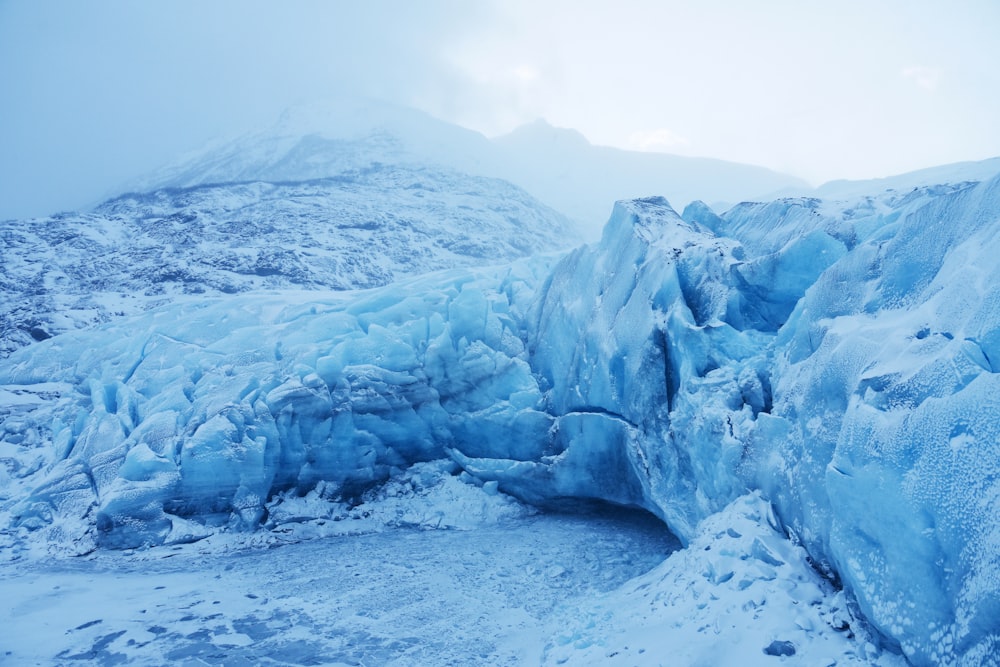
x=355, y=223
x=837, y=357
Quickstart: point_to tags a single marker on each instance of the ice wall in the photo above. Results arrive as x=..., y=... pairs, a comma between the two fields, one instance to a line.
x=197, y=414
x=624, y=336
x=882, y=452
x=839, y=357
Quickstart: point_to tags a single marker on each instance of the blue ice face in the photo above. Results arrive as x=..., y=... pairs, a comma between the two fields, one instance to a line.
x=884, y=434
x=839, y=357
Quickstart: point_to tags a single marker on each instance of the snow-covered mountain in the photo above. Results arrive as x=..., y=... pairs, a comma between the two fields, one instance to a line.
x=322, y=140
x=838, y=358
x=360, y=227
x=305, y=201
x=557, y=166
x=959, y=172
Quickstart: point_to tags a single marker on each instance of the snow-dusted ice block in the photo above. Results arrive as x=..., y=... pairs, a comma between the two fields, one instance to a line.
x=650, y=313
x=868, y=417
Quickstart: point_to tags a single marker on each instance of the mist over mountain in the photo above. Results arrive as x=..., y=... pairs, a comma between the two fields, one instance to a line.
x=564, y=170
x=559, y=167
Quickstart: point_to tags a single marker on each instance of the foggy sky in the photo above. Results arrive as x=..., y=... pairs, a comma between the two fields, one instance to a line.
x=93, y=94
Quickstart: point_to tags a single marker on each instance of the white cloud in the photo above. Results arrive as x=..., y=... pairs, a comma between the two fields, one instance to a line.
x=927, y=78
x=660, y=139
x=776, y=86
x=526, y=74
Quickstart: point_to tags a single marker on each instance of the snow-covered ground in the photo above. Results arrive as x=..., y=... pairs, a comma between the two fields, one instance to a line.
x=432, y=570
x=406, y=597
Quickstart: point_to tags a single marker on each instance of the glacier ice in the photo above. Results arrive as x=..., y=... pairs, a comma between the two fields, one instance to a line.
x=839, y=357
x=357, y=223
x=209, y=408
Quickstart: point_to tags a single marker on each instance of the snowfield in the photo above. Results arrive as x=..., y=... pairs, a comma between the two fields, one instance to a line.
x=436, y=571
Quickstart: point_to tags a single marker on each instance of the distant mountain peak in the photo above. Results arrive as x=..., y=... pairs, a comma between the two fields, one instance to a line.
x=558, y=166
x=322, y=139
x=541, y=132
x=354, y=118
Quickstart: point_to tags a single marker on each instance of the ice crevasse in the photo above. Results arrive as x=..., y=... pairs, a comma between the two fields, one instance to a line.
x=841, y=358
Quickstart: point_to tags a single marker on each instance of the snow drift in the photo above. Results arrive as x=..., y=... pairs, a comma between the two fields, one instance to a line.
x=840, y=358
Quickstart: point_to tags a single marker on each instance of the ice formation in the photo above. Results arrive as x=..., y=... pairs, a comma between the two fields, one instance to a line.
x=839, y=358
x=356, y=224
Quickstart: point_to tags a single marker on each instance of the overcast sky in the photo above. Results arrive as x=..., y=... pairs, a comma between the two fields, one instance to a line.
x=95, y=93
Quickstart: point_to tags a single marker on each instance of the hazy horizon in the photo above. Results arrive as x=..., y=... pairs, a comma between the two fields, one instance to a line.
x=97, y=94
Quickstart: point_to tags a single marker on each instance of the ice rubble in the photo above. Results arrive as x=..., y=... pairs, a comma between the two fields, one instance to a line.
x=839, y=357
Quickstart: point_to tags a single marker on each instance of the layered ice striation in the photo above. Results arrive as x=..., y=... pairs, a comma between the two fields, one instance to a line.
x=838, y=357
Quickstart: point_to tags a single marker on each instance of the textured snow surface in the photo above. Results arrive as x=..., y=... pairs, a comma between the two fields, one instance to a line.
x=372, y=595
x=518, y=589
x=360, y=225
x=839, y=358
x=740, y=594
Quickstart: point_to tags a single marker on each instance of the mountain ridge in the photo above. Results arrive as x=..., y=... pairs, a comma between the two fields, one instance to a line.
x=359, y=228
x=558, y=166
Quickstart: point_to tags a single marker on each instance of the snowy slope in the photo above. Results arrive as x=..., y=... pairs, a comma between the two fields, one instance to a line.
x=959, y=172
x=740, y=594
x=324, y=139
x=357, y=228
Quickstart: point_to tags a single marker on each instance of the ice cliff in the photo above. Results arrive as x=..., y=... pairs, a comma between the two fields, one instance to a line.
x=839, y=357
